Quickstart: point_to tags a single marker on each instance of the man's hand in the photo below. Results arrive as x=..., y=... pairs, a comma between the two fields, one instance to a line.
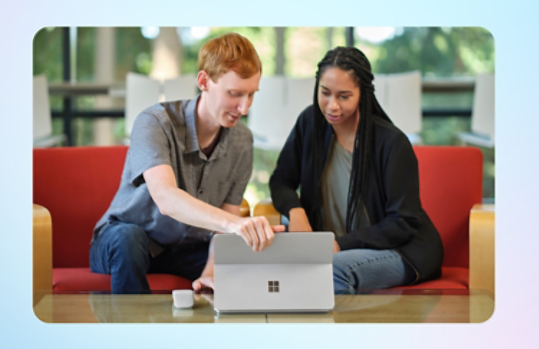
x=299, y=220
x=204, y=281
x=256, y=231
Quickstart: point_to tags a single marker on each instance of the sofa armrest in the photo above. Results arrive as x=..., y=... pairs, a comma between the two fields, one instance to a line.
x=245, y=209
x=265, y=208
x=42, y=252
x=482, y=247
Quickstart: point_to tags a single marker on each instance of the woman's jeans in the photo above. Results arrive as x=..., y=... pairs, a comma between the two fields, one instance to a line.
x=361, y=270
x=122, y=250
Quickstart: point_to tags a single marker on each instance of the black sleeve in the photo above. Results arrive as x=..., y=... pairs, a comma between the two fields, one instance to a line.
x=400, y=180
x=286, y=177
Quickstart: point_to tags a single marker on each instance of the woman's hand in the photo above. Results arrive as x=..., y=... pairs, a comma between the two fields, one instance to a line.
x=299, y=220
x=336, y=247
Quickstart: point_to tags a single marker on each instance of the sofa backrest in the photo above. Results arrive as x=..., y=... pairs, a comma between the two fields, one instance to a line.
x=450, y=183
x=76, y=184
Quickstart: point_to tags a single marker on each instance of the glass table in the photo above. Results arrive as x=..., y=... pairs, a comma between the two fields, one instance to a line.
x=381, y=306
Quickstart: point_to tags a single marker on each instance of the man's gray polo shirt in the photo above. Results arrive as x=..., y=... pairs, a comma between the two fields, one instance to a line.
x=166, y=134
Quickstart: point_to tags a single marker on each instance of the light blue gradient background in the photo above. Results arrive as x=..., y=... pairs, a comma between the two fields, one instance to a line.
x=517, y=167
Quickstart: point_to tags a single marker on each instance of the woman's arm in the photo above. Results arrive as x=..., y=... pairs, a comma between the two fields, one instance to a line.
x=403, y=211
x=299, y=220
x=286, y=177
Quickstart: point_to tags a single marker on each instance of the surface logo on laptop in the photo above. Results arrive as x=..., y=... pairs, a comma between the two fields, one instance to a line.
x=273, y=286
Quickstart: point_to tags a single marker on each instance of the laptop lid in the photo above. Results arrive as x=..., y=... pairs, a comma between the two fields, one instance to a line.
x=294, y=274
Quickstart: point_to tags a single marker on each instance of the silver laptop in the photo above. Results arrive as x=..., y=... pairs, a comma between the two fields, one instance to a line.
x=294, y=274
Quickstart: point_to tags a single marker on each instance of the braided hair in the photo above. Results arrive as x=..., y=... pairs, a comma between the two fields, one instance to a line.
x=354, y=62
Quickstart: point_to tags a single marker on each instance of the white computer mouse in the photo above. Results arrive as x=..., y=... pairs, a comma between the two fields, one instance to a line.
x=183, y=298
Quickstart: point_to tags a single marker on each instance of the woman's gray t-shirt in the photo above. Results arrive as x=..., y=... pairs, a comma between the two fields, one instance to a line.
x=334, y=190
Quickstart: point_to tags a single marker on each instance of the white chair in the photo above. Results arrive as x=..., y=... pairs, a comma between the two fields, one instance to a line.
x=482, y=114
x=182, y=87
x=276, y=108
x=42, y=120
x=267, y=112
x=300, y=93
x=140, y=93
x=143, y=91
x=400, y=97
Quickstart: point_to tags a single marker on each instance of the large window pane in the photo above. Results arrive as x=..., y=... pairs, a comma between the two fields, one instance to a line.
x=106, y=55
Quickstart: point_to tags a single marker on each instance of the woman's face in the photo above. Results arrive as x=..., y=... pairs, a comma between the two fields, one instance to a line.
x=338, y=98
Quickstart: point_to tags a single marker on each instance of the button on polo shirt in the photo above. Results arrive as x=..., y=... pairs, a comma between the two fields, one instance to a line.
x=165, y=134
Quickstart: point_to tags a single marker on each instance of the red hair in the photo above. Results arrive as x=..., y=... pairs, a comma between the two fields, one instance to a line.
x=229, y=52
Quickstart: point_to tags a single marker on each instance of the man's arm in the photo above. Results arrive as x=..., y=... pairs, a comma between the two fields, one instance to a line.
x=181, y=206
x=206, y=278
x=232, y=209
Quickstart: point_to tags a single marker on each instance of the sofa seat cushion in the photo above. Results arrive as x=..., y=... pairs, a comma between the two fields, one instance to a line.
x=452, y=278
x=77, y=279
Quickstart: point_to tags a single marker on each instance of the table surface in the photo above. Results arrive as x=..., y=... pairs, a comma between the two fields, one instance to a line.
x=389, y=306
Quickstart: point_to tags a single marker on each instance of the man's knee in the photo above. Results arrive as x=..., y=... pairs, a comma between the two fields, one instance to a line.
x=128, y=242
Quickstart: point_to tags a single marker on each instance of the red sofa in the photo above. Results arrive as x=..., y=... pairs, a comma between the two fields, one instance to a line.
x=76, y=185
x=450, y=180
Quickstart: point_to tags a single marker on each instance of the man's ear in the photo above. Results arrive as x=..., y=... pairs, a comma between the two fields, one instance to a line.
x=202, y=80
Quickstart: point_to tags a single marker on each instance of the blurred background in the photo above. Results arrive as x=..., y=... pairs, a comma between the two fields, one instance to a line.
x=436, y=83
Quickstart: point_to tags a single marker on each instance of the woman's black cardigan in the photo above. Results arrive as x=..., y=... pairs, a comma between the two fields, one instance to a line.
x=397, y=219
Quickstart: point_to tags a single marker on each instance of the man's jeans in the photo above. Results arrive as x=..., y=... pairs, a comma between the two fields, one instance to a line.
x=121, y=250
x=360, y=270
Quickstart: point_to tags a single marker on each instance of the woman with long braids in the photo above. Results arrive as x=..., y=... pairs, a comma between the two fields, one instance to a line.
x=358, y=177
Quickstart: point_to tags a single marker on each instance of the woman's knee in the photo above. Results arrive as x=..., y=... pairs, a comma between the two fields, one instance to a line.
x=369, y=269
x=343, y=280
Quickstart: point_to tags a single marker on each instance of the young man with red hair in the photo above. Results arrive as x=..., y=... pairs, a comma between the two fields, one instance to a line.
x=185, y=173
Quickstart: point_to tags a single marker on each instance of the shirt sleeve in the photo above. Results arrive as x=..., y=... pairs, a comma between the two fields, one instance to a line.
x=286, y=177
x=403, y=211
x=149, y=146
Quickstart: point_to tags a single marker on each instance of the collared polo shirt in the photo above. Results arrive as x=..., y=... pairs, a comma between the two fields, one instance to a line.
x=165, y=134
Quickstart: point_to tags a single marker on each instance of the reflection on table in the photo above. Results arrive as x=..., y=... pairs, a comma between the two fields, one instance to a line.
x=408, y=306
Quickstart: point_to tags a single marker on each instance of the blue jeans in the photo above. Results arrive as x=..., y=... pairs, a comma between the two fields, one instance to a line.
x=121, y=250
x=360, y=270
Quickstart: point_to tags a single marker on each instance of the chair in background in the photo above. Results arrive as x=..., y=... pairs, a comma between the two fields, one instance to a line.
x=299, y=96
x=276, y=108
x=182, y=87
x=143, y=91
x=400, y=97
x=267, y=115
x=42, y=120
x=140, y=92
x=482, y=114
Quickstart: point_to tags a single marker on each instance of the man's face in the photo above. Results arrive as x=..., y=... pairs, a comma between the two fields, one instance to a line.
x=230, y=97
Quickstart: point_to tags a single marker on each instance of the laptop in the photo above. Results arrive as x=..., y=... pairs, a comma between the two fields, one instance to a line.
x=294, y=274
